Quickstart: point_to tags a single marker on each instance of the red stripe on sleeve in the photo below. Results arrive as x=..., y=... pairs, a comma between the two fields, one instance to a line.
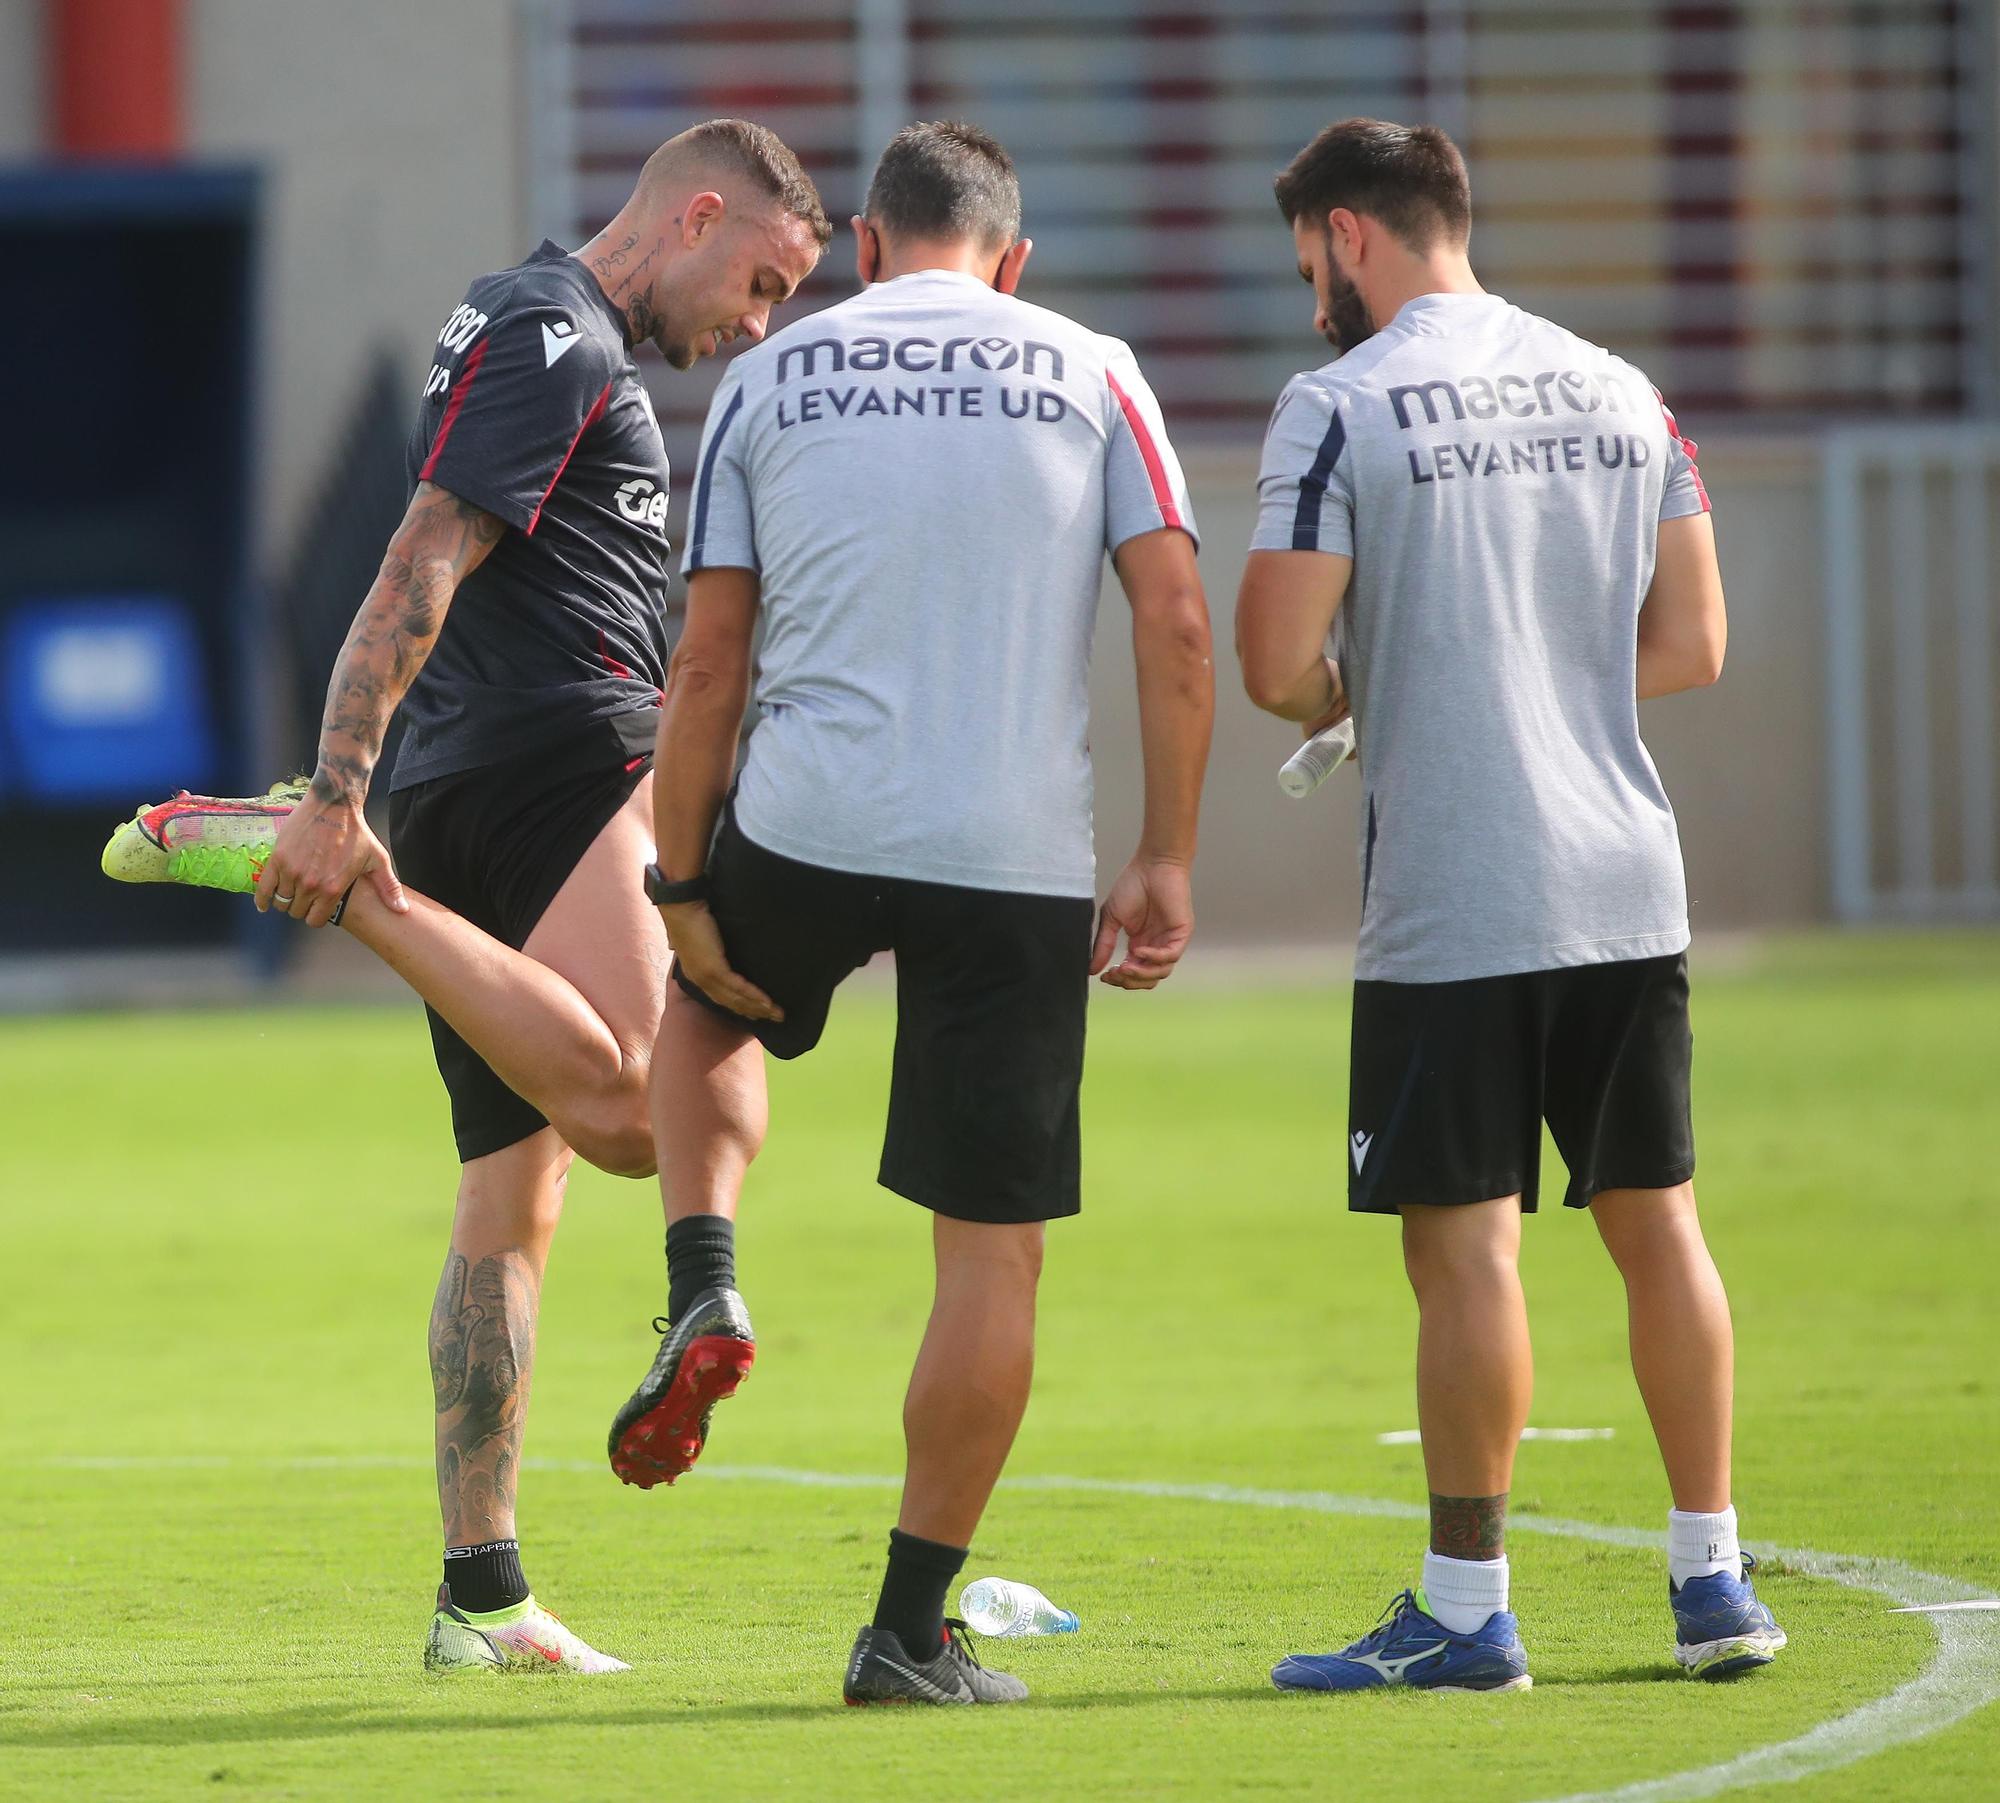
x=451, y=407
x=1688, y=449
x=1156, y=471
x=589, y=419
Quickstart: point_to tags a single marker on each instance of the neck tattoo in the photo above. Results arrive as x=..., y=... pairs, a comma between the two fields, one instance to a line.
x=623, y=269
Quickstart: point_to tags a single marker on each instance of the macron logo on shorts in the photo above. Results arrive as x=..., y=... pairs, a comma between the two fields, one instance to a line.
x=1358, y=1144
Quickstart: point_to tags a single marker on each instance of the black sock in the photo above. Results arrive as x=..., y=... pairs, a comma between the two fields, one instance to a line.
x=486, y=1577
x=701, y=1255
x=913, y=1591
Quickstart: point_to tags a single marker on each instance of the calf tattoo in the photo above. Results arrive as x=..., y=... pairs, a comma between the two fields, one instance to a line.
x=482, y=1356
x=1468, y=1527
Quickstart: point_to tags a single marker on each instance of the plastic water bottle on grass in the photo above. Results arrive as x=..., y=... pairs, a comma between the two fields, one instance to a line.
x=1006, y=1610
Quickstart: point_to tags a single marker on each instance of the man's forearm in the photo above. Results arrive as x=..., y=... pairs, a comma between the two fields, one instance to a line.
x=695, y=756
x=386, y=647
x=1176, y=667
x=1307, y=697
x=441, y=540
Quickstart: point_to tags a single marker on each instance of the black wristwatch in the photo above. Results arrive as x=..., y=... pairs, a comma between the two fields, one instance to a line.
x=663, y=894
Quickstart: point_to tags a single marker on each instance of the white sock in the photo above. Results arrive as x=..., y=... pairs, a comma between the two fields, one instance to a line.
x=1699, y=1546
x=1462, y=1593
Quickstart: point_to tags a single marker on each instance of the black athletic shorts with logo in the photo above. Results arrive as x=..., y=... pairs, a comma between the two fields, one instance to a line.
x=1450, y=1084
x=990, y=996
x=494, y=845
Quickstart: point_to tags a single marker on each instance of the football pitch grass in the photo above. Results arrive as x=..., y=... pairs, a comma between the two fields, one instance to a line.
x=217, y=1519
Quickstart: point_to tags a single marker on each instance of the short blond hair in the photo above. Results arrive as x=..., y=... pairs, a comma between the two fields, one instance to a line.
x=760, y=156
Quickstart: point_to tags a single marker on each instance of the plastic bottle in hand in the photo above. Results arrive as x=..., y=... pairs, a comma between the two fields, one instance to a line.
x=1005, y=1610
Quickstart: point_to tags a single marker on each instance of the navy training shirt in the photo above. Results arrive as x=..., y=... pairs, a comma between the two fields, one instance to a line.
x=534, y=411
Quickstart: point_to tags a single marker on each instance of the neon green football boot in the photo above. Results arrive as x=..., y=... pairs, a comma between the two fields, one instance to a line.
x=525, y=1638
x=204, y=841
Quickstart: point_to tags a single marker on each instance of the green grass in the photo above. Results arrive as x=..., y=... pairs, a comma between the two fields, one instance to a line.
x=222, y=1234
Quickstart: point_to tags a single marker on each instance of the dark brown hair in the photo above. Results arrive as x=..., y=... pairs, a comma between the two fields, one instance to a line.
x=1410, y=177
x=949, y=181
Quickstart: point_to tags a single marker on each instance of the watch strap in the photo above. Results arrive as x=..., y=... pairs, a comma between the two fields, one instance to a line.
x=665, y=894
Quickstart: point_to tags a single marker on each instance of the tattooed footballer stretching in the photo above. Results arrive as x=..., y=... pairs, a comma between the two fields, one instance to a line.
x=517, y=628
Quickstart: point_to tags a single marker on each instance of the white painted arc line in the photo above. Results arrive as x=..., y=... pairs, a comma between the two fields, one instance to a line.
x=1962, y=1677
x=1412, y=1436
x=1982, y=1602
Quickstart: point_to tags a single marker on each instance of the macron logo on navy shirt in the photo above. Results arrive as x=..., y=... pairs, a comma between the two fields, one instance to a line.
x=557, y=339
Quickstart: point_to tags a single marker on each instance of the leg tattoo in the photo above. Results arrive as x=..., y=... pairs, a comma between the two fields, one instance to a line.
x=450, y=1326
x=482, y=1355
x=1468, y=1527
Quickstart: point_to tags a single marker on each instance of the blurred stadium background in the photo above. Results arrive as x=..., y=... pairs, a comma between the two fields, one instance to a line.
x=233, y=227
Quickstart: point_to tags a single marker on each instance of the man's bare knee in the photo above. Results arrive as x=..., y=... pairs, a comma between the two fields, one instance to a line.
x=1641, y=1227
x=512, y=1197
x=1475, y=1246
x=620, y=1152
x=614, y=1131
x=617, y=1138
x=1012, y=1250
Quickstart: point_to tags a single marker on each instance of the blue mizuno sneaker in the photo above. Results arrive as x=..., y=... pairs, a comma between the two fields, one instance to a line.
x=1721, y=1627
x=1409, y=1647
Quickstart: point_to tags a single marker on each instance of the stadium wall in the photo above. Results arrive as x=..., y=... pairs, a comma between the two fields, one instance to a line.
x=394, y=154
x=387, y=134
x=20, y=81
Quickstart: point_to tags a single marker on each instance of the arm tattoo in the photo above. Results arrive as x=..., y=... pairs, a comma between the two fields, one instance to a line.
x=482, y=1341
x=1468, y=1527
x=440, y=542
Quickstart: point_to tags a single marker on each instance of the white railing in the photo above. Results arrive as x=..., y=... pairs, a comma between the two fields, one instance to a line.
x=1911, y=600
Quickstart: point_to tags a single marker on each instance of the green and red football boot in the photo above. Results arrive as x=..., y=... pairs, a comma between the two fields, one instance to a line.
x=204, y=841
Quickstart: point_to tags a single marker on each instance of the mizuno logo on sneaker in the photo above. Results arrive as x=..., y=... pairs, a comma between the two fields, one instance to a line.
x=1393, y=1669
x=1412, y=1649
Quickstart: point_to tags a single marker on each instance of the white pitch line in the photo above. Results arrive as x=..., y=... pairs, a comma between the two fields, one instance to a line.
x=1962, y=1677
x=1414, y=1436
x=1983, y=1602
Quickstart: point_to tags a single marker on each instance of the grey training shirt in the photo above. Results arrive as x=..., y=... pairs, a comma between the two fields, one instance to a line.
x=926, y=478
x=1499, y=484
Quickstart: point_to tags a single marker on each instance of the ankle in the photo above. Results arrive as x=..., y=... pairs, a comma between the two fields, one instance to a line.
x=1702, y=1544
x=485, y=1577
x=1464, y=1594
x=701, y=1255
x=914, y=1588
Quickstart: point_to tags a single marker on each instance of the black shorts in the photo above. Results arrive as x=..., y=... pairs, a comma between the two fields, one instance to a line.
x=494, y=845
x=1450, y=1083
x=990, y=996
